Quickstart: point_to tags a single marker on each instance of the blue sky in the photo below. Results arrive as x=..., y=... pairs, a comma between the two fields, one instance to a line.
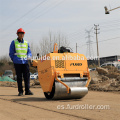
x=68, y=17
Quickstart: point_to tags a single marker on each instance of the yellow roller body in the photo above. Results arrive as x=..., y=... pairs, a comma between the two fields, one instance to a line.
x=62, y=70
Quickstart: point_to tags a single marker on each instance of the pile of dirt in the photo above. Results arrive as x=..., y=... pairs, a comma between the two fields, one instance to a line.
x=33, y=83
x=8, y=84
x=105, y=79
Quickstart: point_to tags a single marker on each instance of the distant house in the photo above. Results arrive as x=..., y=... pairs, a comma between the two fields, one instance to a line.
x=105, y=59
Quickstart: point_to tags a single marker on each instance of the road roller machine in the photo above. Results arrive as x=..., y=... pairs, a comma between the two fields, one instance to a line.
x=63, y=75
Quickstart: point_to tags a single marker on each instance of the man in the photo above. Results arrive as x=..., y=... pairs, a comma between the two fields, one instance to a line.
x=20, y=53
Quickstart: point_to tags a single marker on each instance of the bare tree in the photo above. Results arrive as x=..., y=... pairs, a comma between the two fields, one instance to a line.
x=47, y=43
x=5, y=58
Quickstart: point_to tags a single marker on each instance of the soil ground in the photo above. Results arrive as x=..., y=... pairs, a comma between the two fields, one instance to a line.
x=37, y=107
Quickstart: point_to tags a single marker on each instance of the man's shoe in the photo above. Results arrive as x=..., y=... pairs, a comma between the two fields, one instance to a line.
x=28, y=93
x=20, y=94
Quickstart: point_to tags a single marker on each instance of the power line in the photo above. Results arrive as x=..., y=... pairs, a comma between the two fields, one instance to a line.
x=25, y=15
x=101, y=41
x=107, y=24
x=110, y=30
x=110, y=24
x=76, y=33
x=44, y=13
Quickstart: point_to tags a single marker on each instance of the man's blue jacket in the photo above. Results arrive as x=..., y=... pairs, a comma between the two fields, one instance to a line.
x=14, y=58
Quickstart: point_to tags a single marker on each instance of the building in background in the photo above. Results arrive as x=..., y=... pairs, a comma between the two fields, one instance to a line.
x=104, y=60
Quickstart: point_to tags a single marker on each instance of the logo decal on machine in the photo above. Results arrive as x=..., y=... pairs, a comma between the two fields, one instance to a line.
x=76, y=64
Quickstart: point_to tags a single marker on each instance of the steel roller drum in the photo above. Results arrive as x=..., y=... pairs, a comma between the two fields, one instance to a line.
x=77, y=88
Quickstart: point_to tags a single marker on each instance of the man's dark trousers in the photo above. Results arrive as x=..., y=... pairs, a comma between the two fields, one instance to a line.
x=22, y=69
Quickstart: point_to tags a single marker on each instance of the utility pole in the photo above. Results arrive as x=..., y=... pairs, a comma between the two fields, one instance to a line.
x=89, y=42
x=96, y=32
x=50, y=42
x=59, y=40
x=76, y=47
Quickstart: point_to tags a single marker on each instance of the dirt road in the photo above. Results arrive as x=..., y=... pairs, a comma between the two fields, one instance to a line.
x=36, y=107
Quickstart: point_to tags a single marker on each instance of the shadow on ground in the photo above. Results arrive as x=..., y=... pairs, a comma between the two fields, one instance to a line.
x=37, y=99
x=31, y=99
